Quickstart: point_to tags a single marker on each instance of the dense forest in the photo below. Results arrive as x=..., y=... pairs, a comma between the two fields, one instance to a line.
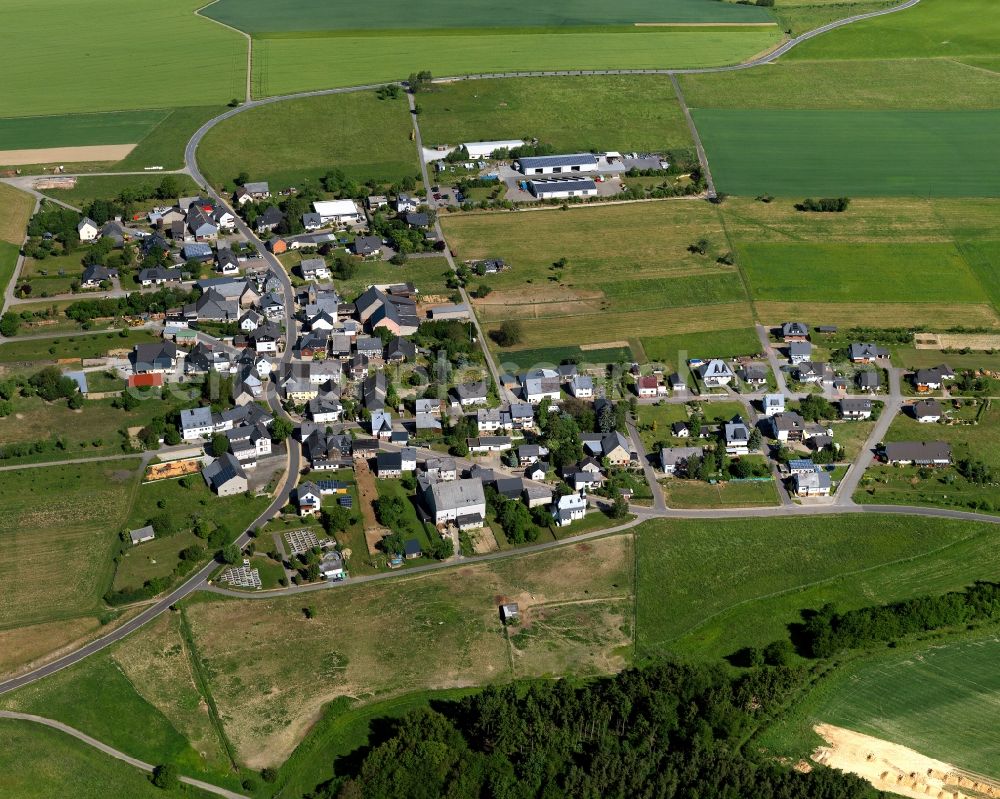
x=672, y=730
x=827, y=632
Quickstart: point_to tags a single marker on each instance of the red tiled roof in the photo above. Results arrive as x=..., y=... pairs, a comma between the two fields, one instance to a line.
x=145, y=381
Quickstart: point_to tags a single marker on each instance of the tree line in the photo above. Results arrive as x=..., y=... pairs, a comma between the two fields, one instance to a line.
x=672, y=730
x=827, y=632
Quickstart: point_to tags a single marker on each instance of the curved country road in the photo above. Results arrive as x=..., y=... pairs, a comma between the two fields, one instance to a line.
x=199, y=578
x=108, y=750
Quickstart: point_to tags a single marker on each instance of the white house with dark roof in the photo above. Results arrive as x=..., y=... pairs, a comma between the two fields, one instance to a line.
x=557, y=164
x=570, y=508
x=716, y=373
x=737, y=437
x=448, y=500
x=225, y=476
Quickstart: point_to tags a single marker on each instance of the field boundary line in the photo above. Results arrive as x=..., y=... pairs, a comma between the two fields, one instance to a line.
x=201, y=683
x=247, y=36
x=702, y=155
x=115, y=753
x=739, y=265
x=815, y=583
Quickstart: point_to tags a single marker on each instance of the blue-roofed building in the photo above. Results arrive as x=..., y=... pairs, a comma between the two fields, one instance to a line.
x=558, y=164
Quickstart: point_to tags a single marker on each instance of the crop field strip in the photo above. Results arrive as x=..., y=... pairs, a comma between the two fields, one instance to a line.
x=255, y=16
x=282, y=65
x=162, y=56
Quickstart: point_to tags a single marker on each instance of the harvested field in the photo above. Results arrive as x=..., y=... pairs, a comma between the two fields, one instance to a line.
x=890, y=314
x=66, y=155
x=21, y=646
x=374, y=641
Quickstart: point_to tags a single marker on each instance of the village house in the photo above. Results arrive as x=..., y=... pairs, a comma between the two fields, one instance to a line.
x=156, y=357
x=932, y=379
x=570, y=508
x=225, y=476
x=736, y=435
x=815, y=483
x=794, y=331
x=787, y=426
x=866, y=352
x=856, y=409
x=716, y=373
x=308, y=498
x=452, y=500
x=675, y=459
x=773, y=404
x=927, y=411
x=918, y=453
x=647, y=386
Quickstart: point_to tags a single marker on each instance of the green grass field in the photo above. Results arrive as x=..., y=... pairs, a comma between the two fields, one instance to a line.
x=931, y=29
x=292, y=141
x=707, y=589
x=290, y=64
x=164, y=144
x=525, y=359
x=637, y=277
x=909, y=85
x=84, y=345
x=58, y=529
x=159, y=56
x=15, y=210
x=107, y=187
x=855, y=153
x=675, y=350
x=142, y=699
x=799, y=16
x=38, y=762
x=255, y=16
x=427, y=274
x=852, y=273
x=68, y=130
x=633, y=113
x=937, y=698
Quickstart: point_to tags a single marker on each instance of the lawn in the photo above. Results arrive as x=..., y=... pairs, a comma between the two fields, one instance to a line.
x=156, y=558
x=938, y=699
x=906, y=85
x=286, y=143
x=894, y=485
x=429, y=275
x=806, y=15
x=850, y=272
x=659, y=418
x=709, y=588
x=697, y=494
x=638, y=275
x=854, y=153
x=932, y=29
x=675, y=350
x=573, y=114
x=68, y=130
x=38, y=762
x=108, y=187
x=380, y=640
x=154, y=49
x=83, y=345
x=525, y=359
x=59, y=528
x=195, y=502
x=301, y=63
x=255, y=16
x=980, y=441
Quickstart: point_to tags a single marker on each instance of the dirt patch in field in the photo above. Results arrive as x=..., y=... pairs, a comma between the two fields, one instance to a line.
x=368, y=493
x=71, y=155
x=604, y=345
x=897, y=769
x=972, y=341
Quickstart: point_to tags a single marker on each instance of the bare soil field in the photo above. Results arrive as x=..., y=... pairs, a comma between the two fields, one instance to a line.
x=894, y=768
x=66, y=155
x=368, y=493
x=273, y=670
